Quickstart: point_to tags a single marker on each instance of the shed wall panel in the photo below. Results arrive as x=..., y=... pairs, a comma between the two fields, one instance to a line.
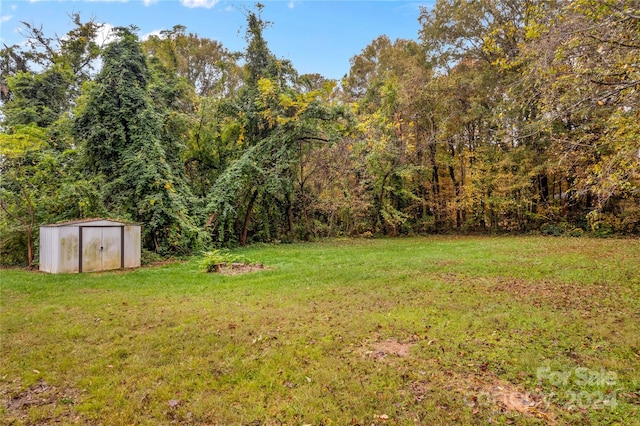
x=46, y=252
x=67, y=249
x=91, y=249
x=54, y=251
x=111, y=248
x=131, y=246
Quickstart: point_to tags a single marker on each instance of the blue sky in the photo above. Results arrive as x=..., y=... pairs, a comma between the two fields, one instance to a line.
x=317, y=36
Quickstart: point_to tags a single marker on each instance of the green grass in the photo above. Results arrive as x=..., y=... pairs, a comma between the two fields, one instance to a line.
x=319, y=337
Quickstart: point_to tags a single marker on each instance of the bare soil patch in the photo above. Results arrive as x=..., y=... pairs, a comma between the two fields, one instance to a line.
x=18, y=403
x=389, y=347
x=494, y=393
x=238, y=268
x=488, y=392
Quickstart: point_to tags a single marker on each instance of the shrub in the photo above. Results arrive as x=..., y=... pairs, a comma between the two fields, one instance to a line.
x=148, y=257
x=13, y=248
x=212, y=259
x=551, y=229
x=576, y=232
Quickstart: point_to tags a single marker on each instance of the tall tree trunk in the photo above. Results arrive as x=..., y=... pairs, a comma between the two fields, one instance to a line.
x=30, y=246
x=290, y=217
x=435, y=185
x=303, y=199
x=456, y=188
x=247, y=219
x=380, y=203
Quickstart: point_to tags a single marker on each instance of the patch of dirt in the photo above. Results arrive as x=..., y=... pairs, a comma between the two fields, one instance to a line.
x=495, y=393
x=19, y=403
x=16, y=268
x=419, y=390
x=588, y=299
x=389, y=347
x=488, y=392
x=161, y=262
x=238, y=268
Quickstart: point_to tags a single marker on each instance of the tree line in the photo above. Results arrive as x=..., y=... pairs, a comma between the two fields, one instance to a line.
x=502, y=116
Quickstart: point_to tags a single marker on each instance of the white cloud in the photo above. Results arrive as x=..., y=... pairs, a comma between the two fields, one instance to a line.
x=292, y=4
x=150, y=2
x=105, y=35
x=5, y=18
x=199, y=3
x=146, y=36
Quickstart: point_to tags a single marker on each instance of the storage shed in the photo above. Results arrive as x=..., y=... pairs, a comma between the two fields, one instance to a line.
x=89, y=245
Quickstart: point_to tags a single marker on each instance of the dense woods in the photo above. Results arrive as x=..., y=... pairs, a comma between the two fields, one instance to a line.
x=501, y=116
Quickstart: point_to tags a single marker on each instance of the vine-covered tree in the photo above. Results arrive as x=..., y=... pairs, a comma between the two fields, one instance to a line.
x=275, y=121
x=121, y=134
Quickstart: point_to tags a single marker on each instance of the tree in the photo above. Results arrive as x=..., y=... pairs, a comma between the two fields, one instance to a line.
x=274, y=122
x=38, y=184
x=38, y=98
x=39, y=179
x=457, y=30
x=391, y=83
x=584, y=57
x=121, y=136
x=21, y=179
x=68, y=61
x=205, y=64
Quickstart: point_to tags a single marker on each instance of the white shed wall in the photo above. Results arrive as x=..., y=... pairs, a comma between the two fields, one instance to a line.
x=47, y=236
x=60, y=246
x=67, y=249
x=131, y=246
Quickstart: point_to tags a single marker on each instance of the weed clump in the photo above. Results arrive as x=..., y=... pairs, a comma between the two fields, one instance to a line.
x=215, y=260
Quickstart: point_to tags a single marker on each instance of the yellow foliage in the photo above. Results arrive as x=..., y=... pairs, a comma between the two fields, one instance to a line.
x=241, y=136
x=286, y=101
x=170, y=187
x=266, y=87
x=24, y=139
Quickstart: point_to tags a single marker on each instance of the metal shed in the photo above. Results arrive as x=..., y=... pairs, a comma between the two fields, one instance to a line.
x=89, y=245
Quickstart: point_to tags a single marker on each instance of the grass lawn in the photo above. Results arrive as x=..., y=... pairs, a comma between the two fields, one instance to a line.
x=439, y=330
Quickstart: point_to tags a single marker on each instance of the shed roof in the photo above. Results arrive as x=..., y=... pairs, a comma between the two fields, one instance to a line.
x=88, y=221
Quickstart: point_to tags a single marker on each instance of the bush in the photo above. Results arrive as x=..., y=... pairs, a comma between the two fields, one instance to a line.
x=149, y=257
x=552, y=229
x=576, y=232
x=13, y=248
x=212, y=259
x=603, y=230
x=603, y=225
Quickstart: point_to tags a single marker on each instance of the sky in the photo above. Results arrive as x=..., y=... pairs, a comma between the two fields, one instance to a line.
x=316, y=36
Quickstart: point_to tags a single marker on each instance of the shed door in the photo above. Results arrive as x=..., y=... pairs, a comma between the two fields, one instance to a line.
x=101, y=249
